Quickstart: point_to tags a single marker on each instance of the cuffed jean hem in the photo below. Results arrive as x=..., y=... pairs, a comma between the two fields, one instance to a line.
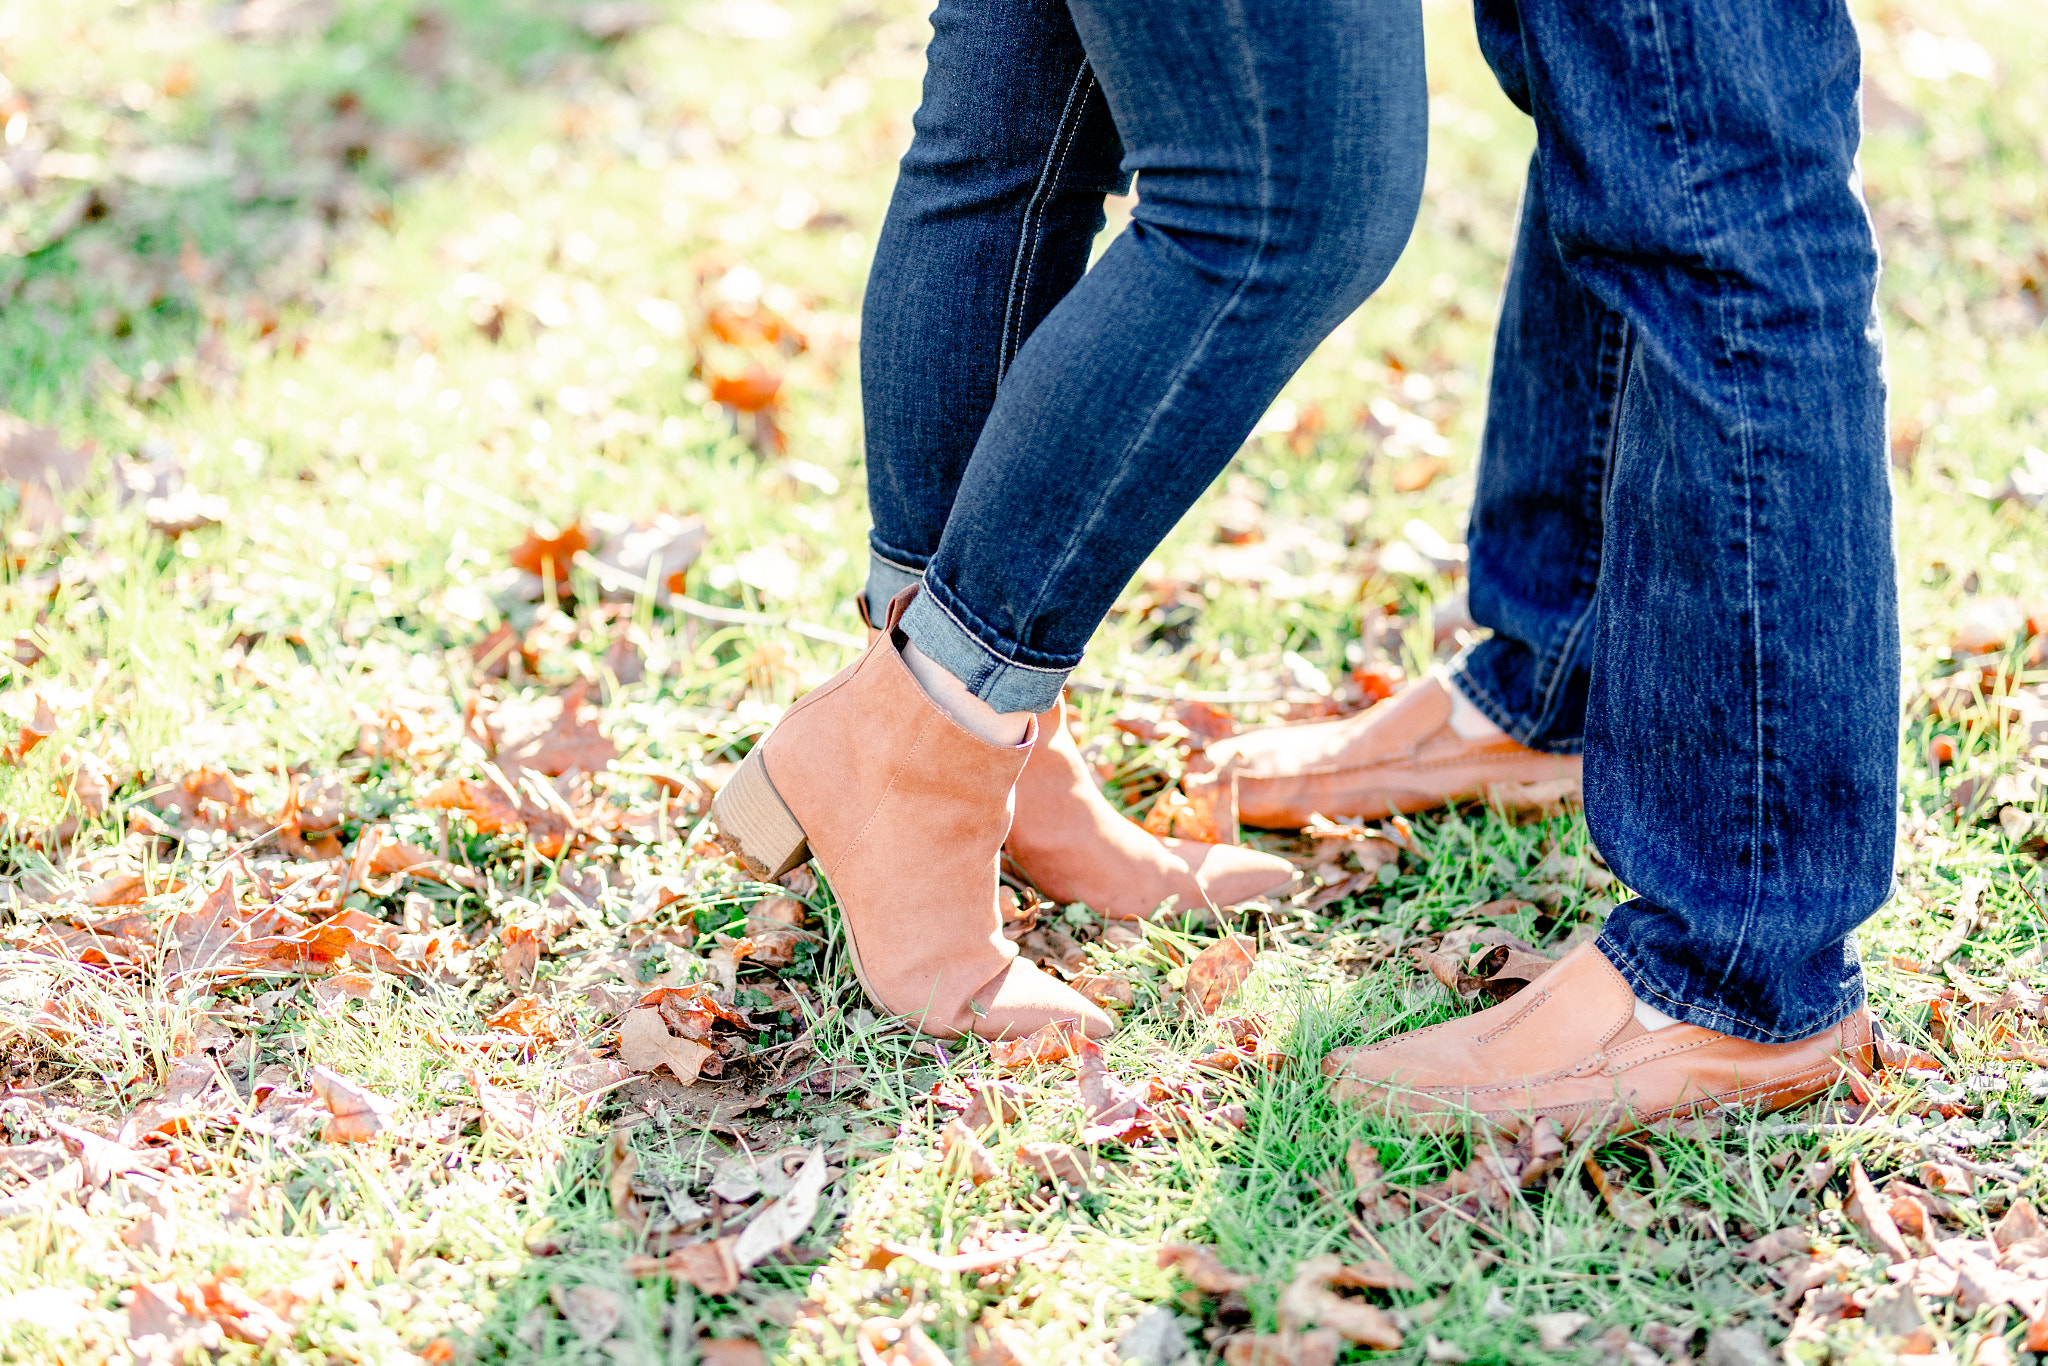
x=1521, y=729
x=1004, y=684
x=1711, y=1015
x=886, y=578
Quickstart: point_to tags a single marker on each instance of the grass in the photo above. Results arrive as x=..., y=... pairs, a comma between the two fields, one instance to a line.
x=395, y=282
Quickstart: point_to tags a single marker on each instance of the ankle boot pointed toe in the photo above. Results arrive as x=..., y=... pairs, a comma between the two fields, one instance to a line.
x=1071, y=844
x=904, y=810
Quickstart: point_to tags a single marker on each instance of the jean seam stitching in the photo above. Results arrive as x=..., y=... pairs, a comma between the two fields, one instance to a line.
x=1070, y=134
x=1076, y=540
x=937, y=594
x=913, y=570
x=1064, y=133
x=1729, y=341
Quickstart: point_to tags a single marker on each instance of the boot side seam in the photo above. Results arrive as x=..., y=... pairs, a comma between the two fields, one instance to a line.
x=867, y=825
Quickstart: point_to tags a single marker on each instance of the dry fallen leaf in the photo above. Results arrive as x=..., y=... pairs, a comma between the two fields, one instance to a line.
x=358, y=1112
x=1047, y=1043
x=167, y=1323
x=645, y=1045
x=707, y=1266
x=1308, y=1300
x=730, y=1352
x=548, y=551
x=520, y=957
x=240, y=1315
x=1217, y=971
x=591, y=1310
x=1009, y=1249
x=40, y=465
x=962, y=1148
x=1112, y=991
x=656, y=552
x=1061, y=1163
x=1553, y=1331
x=1870, y=1213
x=1200, y=1267
x=1316, y=1348
x=788, y=1218
x=551, y=735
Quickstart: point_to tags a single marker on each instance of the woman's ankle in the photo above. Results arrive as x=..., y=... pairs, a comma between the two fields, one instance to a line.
x=952, y=697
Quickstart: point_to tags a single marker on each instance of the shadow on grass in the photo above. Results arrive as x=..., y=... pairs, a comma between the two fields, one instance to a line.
x=142, y=240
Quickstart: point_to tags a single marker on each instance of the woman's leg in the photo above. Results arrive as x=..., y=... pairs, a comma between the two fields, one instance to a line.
x=1283, y=155
x=996, y=204
x=1281, y=150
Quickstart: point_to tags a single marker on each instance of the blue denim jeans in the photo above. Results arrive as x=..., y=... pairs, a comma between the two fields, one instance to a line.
x=1681, y=538
x=1034, y=431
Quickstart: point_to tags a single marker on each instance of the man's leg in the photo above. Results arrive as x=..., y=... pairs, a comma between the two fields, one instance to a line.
x=1696, y=159
x=1698, y=163
x=1505, y=718
x=1534, y=536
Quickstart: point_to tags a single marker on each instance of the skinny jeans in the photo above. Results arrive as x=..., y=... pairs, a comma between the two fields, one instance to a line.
x=1034, y=427
x=1681, y=536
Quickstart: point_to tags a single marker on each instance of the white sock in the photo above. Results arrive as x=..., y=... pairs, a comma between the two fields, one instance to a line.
x=952, y=697
x=1468, y=721
x=1649, y=1017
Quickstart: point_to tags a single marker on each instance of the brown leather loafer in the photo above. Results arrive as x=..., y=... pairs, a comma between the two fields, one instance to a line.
x=1568, y=1047
x=1398, y=756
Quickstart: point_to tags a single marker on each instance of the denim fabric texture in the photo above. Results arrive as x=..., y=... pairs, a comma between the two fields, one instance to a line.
x=1034, y=431
x=1681, y=537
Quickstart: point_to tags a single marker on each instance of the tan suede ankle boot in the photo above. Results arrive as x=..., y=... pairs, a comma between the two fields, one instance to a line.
x=1073, y=845
x=905, y=812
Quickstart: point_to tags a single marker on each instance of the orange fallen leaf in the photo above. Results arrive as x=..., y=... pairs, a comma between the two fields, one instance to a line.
x=750, y=391
x=1217, y=971
x=730, y=1352
x=960, y=1146
x=358, y=1112
x=486, y=808
x=1060, y=1162
x=1316, y=1348
x=1110, y=990
x=528, y=1015
x=1047, y=1043
x=240, y=1315
x=520, y=957
x=551, y=735
x=1309, y=1301
x=549, y=550
x=1413, y=476
x=40, y=465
